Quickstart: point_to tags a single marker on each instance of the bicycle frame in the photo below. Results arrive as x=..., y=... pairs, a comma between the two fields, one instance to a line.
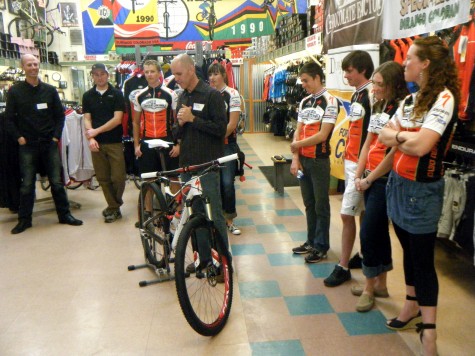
x=32, y=15
x=194, y=185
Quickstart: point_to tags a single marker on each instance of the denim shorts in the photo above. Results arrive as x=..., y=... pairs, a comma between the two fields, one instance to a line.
x=414, y=206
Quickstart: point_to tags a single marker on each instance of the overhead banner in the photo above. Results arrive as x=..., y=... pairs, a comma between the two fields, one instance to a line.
x=172, y=24
x=352, y=22
x=407, y=18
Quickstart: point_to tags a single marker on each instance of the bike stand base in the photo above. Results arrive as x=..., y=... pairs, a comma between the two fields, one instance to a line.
x=163, y=275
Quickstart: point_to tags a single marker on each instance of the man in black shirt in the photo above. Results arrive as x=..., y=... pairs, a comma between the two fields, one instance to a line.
x=202, y=126
x=35, y=119
x=103, y=108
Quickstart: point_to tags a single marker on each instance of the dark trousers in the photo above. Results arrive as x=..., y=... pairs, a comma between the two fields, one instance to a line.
x=419, y=268
x=228, y=192
x=374, y=232
x=314, y=186
x=32, y=156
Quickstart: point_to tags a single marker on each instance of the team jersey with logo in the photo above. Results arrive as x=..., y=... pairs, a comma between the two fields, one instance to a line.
x=232, y=100
x=377, y=150
x=315, y=110
x=157, y=106
x=441, y=118
x=360, y=113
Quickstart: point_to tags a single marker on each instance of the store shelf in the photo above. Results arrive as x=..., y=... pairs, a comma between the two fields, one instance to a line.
x=284, y=51
x=17, y=64
x=88, y=63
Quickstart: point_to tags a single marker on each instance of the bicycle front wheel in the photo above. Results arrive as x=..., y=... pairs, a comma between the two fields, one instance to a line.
x=199, y=16
x=206, y=295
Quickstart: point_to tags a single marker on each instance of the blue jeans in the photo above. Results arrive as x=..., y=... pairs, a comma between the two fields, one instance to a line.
x=210, y=185
x=32, y=155
x=374, y=232
x=314, y=186
x=228, y=193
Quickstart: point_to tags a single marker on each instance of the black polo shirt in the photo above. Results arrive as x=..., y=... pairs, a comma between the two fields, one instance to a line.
x=34, y=112
x=102, y=108
x=203, y=139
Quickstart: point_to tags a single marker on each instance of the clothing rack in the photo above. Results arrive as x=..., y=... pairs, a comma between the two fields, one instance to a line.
x=198, y=53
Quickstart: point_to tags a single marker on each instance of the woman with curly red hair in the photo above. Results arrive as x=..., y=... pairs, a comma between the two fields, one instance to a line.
x=421, y=130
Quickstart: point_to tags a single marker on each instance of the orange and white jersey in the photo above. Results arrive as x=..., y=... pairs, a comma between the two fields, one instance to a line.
x=315, y=110
x=157, y=106
x=359, y=116
x=441, y=118
x=377, y=150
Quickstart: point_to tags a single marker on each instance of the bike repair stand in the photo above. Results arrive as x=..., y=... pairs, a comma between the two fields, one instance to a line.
x=162, y=273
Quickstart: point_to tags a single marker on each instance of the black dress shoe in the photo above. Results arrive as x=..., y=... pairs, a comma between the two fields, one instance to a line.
x=21, y=226
x=70, y=220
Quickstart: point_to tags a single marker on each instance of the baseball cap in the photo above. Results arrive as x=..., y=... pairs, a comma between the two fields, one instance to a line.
x=99, y=66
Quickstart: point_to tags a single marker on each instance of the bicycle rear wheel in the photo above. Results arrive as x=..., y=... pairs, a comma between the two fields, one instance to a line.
x=205, y=302
x=19, y=27
x=154, y=228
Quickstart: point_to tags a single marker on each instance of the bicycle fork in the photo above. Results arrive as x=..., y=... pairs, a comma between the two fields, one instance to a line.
x=206, y=258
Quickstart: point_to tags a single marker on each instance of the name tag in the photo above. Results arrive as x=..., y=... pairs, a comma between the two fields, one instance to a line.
x=42, y=106
x=198, y=106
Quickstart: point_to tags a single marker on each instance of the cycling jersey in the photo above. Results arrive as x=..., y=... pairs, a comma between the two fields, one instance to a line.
x=377, y=150
x=315, y=110
x=441, y=118
x=360, y=113
x=132, y=85
x=232, y=100
x=157, y=106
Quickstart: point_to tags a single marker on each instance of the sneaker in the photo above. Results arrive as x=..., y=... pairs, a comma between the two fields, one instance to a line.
x=113, y=216
x=106, y=212
x=338, y=276
x=233, y=229
x=355, y=262
x=315, y=256
x=303, y=249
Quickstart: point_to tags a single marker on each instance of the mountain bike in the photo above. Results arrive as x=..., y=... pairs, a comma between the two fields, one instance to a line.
x=30, y=25
x=208, y=13
x=205, y=302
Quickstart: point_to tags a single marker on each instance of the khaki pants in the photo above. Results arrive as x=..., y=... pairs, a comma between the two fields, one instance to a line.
x=109, y=165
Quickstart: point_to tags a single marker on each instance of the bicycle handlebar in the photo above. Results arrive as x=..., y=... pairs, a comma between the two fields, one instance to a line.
x=190, y=168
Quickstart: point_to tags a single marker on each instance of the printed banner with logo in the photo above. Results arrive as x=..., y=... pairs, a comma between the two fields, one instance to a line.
x=172, y=24
x=409, y=18
x=352, y=22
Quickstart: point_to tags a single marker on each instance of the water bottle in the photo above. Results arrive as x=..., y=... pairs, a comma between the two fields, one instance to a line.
x=299, y=174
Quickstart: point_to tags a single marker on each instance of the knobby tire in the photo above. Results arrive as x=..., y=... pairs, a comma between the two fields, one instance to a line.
x=155, y=229
x=205, y=303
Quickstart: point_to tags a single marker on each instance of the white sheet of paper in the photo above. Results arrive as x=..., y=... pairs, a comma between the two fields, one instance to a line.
x=158, y=143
